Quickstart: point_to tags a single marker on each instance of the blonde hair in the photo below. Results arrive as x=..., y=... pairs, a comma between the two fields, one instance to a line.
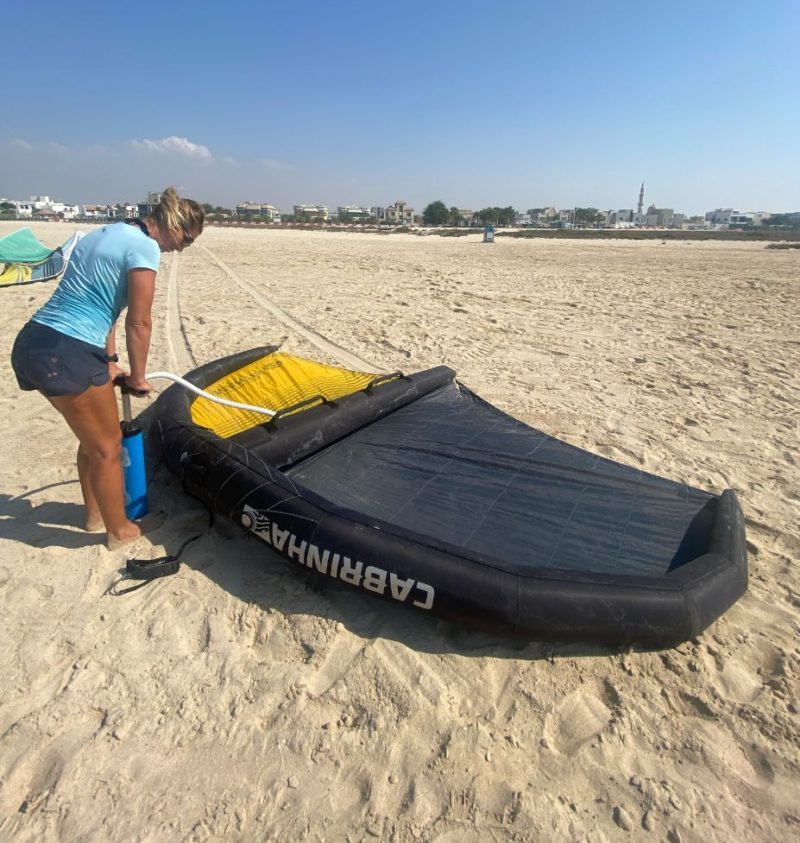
x=176, y=215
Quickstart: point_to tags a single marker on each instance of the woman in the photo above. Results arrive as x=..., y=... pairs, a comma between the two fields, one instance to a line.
x=67, y=351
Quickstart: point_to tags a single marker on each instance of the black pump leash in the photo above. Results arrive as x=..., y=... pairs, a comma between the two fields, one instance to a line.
x=147, y=570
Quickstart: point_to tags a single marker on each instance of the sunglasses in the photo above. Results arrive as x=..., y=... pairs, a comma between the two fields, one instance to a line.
x=187, y=239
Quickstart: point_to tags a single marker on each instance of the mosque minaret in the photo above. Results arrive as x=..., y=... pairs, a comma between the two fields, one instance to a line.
x=641, y=199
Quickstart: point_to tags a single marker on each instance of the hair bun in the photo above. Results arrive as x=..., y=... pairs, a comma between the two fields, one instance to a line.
x=176, y=215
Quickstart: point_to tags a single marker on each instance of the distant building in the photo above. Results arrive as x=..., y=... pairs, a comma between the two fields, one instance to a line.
x=565, y=219
x=318, y=211
x=356, y=212
x=149, y=205
x=542, y=217
x=467, y=217
x=654, y=217
x=123, y=211
x=697, y=223
x=43, y=207
x=720, y=216
x=399, y=213
x=98, y=211
x=621, y=218
x=663, y=218
x=23, y=209
x=252, y=210
x=729, y=216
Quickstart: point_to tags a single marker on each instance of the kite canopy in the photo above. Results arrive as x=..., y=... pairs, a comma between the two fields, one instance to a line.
x=23, y=246
x=417, y=490
x=29, y=260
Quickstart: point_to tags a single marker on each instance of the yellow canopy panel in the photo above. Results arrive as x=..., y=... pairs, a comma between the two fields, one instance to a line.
x=16, y=273
x=276, y=381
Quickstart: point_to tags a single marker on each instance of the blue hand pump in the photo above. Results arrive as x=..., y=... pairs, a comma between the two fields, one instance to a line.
x=133, y=468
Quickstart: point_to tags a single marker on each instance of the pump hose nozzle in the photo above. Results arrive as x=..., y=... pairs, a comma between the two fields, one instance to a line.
x=133, y=466
x=150, y=376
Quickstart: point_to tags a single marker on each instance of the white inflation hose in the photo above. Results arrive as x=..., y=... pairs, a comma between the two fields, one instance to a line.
x=197, y=391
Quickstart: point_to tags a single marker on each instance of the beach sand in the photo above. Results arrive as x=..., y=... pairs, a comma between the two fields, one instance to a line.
x=232, y=702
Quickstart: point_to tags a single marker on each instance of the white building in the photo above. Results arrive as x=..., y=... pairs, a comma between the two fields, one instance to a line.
x=23, y=209
x=145, y=208
x=44, y=206
x=318, y=211
x=61, y=209
x=467, y=216
x=566, y=219
x=93, y=211
x=248, y=210
x=621, y=218
x=125, y=211
x=356, y=212
x=720, y=216
x=399, y=213
x=542, y=216
x=660, y=218
x=729, y=216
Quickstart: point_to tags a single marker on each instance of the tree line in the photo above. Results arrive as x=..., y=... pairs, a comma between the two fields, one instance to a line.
x=437, y=213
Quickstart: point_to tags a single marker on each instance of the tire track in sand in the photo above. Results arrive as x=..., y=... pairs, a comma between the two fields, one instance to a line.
x=181, y=359
x=345, y=357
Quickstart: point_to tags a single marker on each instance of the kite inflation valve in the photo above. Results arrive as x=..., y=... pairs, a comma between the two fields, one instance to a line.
x=133, y=469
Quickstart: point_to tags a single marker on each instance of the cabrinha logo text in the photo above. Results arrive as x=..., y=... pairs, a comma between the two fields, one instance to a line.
x=370, y=577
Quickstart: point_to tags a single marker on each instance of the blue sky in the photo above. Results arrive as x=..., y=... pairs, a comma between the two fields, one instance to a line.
x=363, y=102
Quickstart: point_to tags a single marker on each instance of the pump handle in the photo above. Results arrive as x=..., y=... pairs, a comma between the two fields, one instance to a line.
x=119, y=381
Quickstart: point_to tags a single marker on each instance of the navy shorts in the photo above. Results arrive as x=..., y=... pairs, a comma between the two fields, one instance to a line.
x=55, y=364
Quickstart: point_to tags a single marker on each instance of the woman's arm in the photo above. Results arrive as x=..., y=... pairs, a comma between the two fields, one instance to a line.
x=114, y=369
x=111, y=341
x=138, y=324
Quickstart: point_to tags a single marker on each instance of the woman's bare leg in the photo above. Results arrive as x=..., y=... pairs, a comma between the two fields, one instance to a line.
x=94, y=520
x=94, y=419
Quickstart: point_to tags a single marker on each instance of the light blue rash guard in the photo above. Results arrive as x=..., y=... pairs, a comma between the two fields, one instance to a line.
x=94, y=289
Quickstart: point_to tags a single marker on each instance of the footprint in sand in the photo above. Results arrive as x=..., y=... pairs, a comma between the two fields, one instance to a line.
x=737, y=684
x=345, y=650
x=576, y=720
x=32, y=766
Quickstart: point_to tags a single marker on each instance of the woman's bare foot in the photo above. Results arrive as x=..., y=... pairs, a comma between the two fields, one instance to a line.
x=136, y=529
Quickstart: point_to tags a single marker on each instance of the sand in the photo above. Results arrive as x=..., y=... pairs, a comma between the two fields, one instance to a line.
x=232, y=702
